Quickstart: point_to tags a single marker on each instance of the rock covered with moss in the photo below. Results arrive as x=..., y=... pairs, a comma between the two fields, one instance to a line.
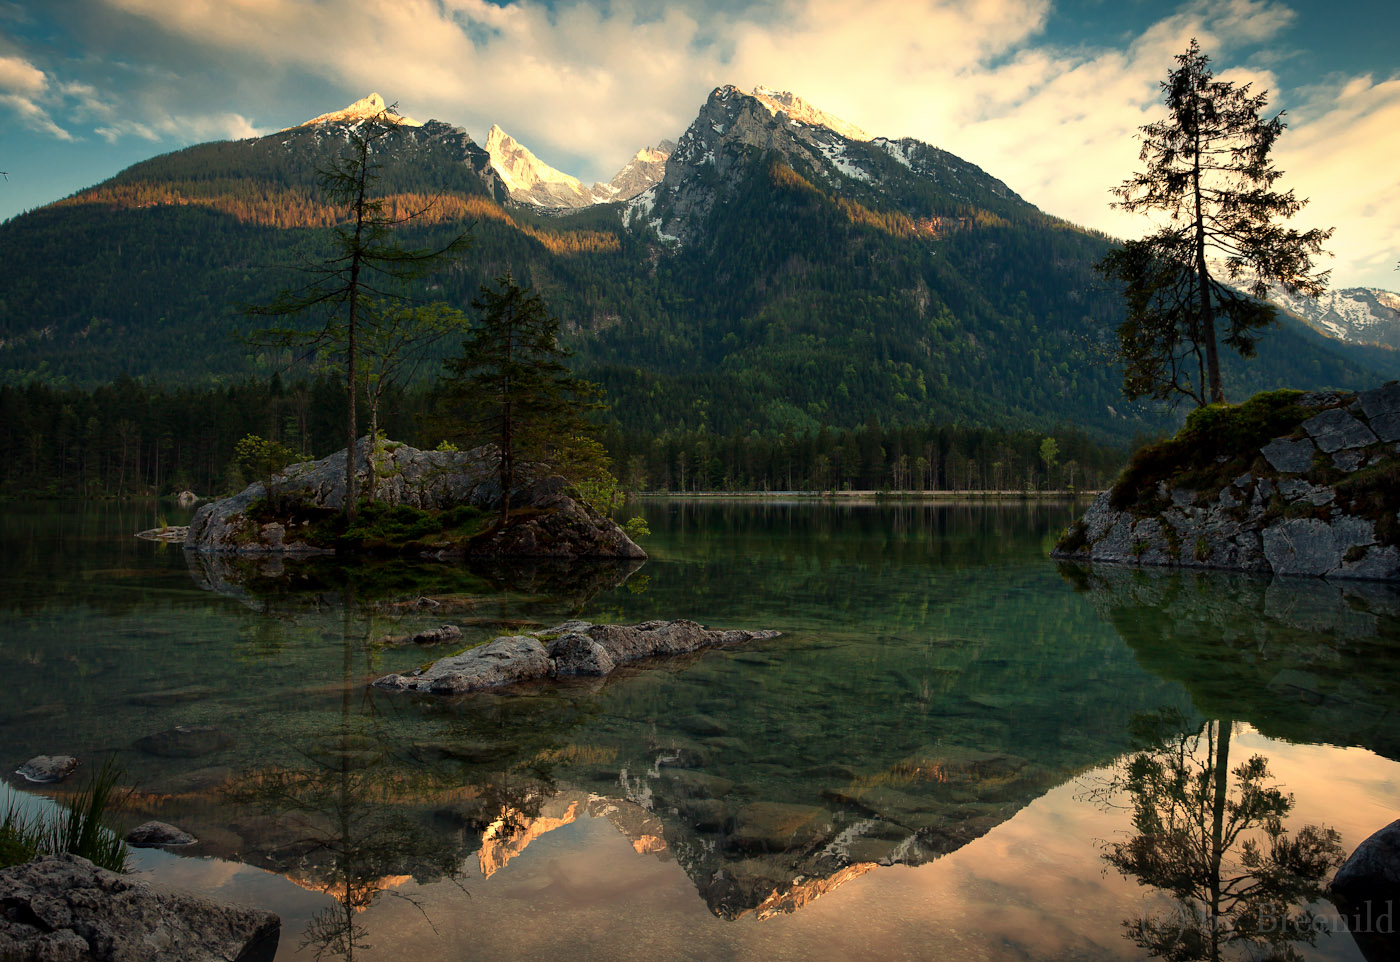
x=432, y=503
x=1287, y=482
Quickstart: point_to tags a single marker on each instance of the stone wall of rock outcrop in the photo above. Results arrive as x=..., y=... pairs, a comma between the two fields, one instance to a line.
x=557, y=527
x=1291, y=512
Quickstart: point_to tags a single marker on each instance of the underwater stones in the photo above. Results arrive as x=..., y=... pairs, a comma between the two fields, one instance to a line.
x=155, y=834
x=1335, y=429
x=48, y=768
x=184, y=741
x=1289, y=456
x=59, y=908
x=778, y=827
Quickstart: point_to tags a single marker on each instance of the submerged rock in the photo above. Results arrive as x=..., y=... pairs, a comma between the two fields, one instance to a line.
x=62, y=908
x=573, y=648
x=184, y=741
x=1320, y=497
x=48, y=768
x=546, y=522
x=155, y=834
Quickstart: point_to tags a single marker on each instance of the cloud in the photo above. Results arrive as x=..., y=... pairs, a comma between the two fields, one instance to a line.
x=22, y=85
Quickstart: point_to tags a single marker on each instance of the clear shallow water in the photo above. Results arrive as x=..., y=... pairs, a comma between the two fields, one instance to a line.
x=928, y=763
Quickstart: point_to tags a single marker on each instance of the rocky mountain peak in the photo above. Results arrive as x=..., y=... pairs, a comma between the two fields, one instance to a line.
x=785, y=101
x=530, y=179
x=365, y=108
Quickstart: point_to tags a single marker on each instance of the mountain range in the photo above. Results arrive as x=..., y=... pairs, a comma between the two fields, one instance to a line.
x=774, y=270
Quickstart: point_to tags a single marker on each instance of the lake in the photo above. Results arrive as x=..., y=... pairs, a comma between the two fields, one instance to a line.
x=950, y=752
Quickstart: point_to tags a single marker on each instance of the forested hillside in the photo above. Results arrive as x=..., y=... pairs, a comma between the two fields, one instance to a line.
x=780, y=279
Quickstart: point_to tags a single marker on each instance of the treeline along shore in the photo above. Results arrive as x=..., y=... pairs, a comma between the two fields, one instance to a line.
x=135, y=438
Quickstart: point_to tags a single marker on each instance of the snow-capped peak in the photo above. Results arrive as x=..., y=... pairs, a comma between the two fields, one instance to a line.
x=366, y=108
x=530, y=179
x=795, y=107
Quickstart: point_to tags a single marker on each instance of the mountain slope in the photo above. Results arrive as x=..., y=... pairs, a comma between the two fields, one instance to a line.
x=781, y=276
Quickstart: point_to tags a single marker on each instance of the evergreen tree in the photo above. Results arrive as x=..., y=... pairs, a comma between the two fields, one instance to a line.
x=511, y=388
x=366, y=262
x=1208, y=170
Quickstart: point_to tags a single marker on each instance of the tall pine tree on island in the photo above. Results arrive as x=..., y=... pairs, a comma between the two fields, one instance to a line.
x=1202, y=277
x=510, y=388
x=366, y=267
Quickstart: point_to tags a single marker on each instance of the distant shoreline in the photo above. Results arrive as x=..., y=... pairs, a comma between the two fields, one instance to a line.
x=882, y=496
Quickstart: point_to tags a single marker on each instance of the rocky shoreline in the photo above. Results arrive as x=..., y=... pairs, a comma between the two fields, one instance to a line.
x=1286, y=483
x=575, y=648
x=61, y=907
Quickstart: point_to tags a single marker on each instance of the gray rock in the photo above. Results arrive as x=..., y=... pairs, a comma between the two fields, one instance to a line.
x=184, y=741
x=186, y=499
x=1386, y=426
x=578, y=654
x=1335, y=429
x=1373, y=870
x=1309, y=546
x=155, y=834
x=62, y=908
x=581, y=649
x=1382, y=400
x=1289, y=456
x=1379, y=563
x=1348, y=461
x=48, y=768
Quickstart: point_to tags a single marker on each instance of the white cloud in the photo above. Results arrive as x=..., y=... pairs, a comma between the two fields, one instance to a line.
x=22, y=87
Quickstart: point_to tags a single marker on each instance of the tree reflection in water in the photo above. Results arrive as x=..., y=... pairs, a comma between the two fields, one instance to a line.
x=1213, y=838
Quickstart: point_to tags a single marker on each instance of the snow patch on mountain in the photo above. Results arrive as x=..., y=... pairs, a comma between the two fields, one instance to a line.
x=1358, y=315
x=366, y=108
x=835, y=154
x=787, y=102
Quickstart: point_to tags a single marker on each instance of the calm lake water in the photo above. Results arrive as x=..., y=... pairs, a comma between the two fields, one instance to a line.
x=933, y=761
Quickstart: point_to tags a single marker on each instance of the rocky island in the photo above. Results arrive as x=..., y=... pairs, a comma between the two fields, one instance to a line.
x=571, y=649
x=1288, y=483
x=436, y=504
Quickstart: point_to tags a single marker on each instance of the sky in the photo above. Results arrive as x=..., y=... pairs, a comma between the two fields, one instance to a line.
x=1046, y=95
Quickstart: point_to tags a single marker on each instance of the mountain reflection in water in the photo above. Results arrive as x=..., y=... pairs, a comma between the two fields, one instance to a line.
x=938, y=695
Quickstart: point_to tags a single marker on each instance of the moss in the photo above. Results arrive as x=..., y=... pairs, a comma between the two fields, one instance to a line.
x=1218, y=443
x=1374, y=493
x=1354, y=554
x=1202, y=550
x=1075, y=538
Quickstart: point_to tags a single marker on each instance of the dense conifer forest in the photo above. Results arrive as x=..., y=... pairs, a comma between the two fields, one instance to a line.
x=131, y=438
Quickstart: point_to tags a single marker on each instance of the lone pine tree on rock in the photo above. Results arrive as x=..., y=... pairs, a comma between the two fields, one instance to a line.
x=1201, y=277
x=510, y=387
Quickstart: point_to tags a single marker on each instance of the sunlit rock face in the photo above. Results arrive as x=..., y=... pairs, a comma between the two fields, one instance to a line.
x=784, y=101
x=532, y=181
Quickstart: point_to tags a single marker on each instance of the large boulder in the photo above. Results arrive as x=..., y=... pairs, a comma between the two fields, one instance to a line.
x=546, y=522
x=62, y=908
x=573, y=648
x=1287, y=483
x=1367, y=892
